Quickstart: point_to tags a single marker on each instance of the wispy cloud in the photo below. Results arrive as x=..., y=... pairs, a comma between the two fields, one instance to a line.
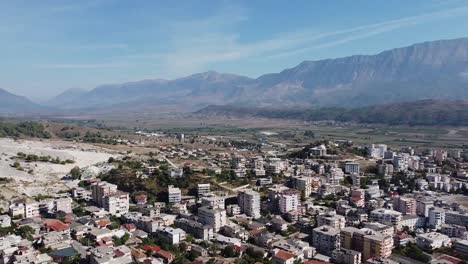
x=82, y=66
x=197, y=44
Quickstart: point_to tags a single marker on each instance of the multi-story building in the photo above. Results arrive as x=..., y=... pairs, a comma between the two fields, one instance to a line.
x=249, y=202
x=456, y=218
x=198, y=230
x=214, y=201
x=173, y=235
x=100, y=190
x=404, y=204
x=331, y=219
x=303, y=184
x=422, y=206
x=214, y=217
x=289, y=201
x=370, y=242
x=335, y=176
x=326, y=239
x=401, y=162
x=352, y=167
x=377, y=151
x=386, y=217
x=63, y=205
x=346, y=256
x=117, y=203
x=203, y=188
x=357, y=197
x=461, y=247
x=454, y=231
x=433, y=240
x=436, y=217
x=174, y=194
x=24, y=208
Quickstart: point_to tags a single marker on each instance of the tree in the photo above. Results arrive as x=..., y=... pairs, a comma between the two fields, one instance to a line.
x=25, y=232
x=75, y=173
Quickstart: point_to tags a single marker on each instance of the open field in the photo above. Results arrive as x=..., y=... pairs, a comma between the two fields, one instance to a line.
x=35, y=178
x=290, y=131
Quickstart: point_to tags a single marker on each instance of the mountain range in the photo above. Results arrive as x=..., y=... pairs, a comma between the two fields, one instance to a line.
x=429, y=70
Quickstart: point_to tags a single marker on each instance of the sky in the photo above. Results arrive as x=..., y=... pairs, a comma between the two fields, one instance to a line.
x=49, y=46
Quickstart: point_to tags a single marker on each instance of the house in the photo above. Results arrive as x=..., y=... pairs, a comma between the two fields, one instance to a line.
x=167, y=256
x=55, y=225
x=284, y=257
x=141, y=199
x=5, y=221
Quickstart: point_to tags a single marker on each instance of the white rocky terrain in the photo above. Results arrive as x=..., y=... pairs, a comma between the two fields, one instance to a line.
x=46, y=177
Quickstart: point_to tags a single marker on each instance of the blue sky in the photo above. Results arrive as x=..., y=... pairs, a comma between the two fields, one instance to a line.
x=49, y=46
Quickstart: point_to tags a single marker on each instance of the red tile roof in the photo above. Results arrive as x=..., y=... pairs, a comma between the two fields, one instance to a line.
x=316, y=262
x=448, y=258
x=164, y=254
x=103, y=223
x=284, y=255
x=55, y=225
x=152, y=248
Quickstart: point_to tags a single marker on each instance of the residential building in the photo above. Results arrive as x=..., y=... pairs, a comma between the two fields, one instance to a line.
x=404, y=204
x=326, y=239
x=174, y=194
x=198, y=230
x=432, y=240
x=303, y=184
x=100, y=190
x=331, y=219
x=387, y=217
x=352, y=167
x=214, y=217
x=289, y=201
x=203, y=188
x=173, y=235
x=117, y=203
x=249, y=203
x=436, y=217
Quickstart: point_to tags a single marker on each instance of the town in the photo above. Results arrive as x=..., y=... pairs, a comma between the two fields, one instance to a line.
x=224, y=201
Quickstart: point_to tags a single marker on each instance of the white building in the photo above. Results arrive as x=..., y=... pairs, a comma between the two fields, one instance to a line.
x=174, y=194
x=249, y=202
x=436, y=217
x=5, y=221
x=433, y=240
x=203, y=188
x=63, y=205
x=377, y=151
x=174, y=235
x=117, y=203
x=386, y=217
x=331, y=219
x=289, y=201
x=213, y=201
x=303, y=184
x=212, y=216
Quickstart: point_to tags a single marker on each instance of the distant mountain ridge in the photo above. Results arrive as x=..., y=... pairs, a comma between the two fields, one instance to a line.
x=10, y=103
x=423, y=112
x=429, y=70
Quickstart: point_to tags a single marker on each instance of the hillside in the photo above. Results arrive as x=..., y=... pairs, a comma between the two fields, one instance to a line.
x=424, y=112
x=10, y=103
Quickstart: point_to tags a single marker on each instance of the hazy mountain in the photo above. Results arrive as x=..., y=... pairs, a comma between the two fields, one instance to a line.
x=66, y=98
x=437, y=69
x=423, y=112
x=10, y=103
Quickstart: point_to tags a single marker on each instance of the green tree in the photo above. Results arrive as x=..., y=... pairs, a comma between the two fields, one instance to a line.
x=75, y=173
